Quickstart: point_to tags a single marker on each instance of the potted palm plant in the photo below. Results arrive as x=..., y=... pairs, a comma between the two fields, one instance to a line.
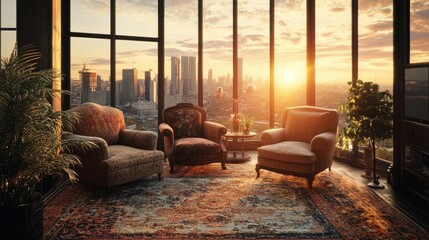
x=369, y=117
x=30, y=143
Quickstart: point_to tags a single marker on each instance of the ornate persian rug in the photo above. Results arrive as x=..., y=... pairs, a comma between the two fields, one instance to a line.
x=206, y=202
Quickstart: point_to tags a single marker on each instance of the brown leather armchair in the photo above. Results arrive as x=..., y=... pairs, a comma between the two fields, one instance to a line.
x=303, y=146
x=123, y=155
x=189, y=139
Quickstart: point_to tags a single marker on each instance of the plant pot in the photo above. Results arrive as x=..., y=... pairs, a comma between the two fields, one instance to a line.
x=23, y=221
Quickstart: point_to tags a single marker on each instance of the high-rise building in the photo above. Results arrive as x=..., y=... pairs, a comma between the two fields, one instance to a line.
x=240, y=76
x=89, y=83
x=129, y=91
x=189, y=75
x=210, y=79
x=147, y=89
x=184, y=67
x=175, y=76
x=193, y=75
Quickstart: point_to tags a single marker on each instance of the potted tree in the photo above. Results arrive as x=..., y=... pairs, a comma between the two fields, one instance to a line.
x=369, y=114
x=30, y=143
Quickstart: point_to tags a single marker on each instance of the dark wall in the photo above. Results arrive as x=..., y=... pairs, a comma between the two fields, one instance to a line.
x=34, y=27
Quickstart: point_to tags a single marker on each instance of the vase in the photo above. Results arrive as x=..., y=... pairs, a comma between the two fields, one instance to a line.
x=235, y=127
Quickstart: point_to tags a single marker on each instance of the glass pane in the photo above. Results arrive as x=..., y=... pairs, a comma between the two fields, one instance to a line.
x=8, y=39
x=8, y=14
x=137, y=18
x=419, y=31
x=136, y=83
x=90, y=16
x=90, y=71
x=218, y=60
x=416, y=105
x=290, y=56
x=181, y=52
x=376, y=42
x=333, y=52
x=376, y=51
x=254, y=63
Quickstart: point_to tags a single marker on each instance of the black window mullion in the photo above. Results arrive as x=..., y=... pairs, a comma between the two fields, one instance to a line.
x=113, y=53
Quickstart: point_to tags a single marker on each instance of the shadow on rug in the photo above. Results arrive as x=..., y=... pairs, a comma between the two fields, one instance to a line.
x=206, y=202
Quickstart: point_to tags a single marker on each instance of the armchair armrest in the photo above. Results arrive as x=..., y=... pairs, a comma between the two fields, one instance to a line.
x=272, y=136
x=139, y=139
x=168, y=134
x=323, y=145
x=98, y=150
x=213, y=131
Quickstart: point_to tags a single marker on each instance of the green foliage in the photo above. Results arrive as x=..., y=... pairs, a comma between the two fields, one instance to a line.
x=369, y=113
x=30, y=130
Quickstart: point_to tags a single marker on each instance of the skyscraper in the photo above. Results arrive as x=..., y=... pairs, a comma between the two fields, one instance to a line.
x=147, y=89
x=240, y=76
x=89, y=83
x=189, y=75
x=210, y=79
x=193, y=75
x=129, y=86
x=184, y=67
x=175, y=76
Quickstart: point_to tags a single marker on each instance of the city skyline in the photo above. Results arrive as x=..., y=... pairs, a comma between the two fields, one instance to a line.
x=333, y=35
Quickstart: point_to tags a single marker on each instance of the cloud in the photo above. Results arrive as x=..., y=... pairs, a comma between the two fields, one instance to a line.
x=337, y=9
x=381, y=26
x=375, y=8
x=294, y=38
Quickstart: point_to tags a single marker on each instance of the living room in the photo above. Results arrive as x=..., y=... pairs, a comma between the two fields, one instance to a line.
x=236, y=59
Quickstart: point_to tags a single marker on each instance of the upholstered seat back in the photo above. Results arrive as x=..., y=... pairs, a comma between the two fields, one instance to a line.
x=303, y=123
x=185, y=119
x=99, y=121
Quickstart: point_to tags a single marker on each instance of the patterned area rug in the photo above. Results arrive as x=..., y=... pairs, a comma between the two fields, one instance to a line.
x=206, y=202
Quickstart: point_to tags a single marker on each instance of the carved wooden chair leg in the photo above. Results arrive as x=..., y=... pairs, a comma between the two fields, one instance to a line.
x=223, y=165
x=257, y=168
x=160, y=176
x=171, y=168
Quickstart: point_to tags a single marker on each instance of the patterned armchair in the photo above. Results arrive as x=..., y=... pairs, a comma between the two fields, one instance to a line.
x=189, y=139
x=303, y=146
x=123, y=155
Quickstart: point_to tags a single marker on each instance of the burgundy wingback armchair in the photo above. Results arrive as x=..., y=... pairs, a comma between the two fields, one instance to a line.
x=189, y=139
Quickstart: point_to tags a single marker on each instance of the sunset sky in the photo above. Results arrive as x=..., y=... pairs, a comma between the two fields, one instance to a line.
x=333, y=37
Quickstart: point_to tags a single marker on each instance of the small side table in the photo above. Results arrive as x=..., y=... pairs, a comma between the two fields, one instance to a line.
x=238, y=156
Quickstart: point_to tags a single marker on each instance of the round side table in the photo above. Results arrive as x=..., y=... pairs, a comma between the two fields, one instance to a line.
x=238, y=156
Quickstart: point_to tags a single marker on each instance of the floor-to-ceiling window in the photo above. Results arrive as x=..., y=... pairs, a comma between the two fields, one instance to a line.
x=7, y=27
x=333, y=52
x=114, y=57
x=218, y=59
x=376, y=52
x=290, y=55
x=181, y=52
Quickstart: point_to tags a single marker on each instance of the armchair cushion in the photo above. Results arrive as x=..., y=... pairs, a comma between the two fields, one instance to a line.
x=290, y=151
x=190, y=146
x=303, y=126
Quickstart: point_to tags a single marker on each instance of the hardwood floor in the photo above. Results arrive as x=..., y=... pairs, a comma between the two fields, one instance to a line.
x=409, y=205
